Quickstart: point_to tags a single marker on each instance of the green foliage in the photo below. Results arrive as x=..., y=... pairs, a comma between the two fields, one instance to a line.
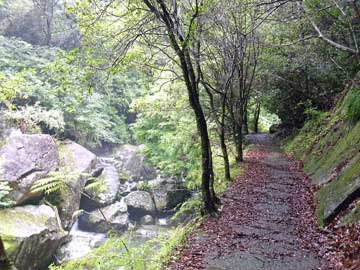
x=57, y=90
x=118, y=252
x=34, y=116
x=166, y=126
x=144, y=185
x=11, y=87
x=188, y=210
x=55, y=181
x=353, y=106
x=4, y=192
x=305, y=138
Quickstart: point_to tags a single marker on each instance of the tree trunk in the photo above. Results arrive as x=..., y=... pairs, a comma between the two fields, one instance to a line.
x=225, y=154
x=237, y=135
x=256, y=117
x=245, y=127
x=207, y=179
x=191, y=81
x=239, y=143
x=214, y=198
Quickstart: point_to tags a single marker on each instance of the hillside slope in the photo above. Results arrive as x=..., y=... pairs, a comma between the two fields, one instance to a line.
x=329, y=146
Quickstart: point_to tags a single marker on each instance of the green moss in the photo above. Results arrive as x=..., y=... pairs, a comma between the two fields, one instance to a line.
x=337, y=190
x=302, y=142
x=337, y=147
x=329, y=146
x=13, y=221
x=11, y=244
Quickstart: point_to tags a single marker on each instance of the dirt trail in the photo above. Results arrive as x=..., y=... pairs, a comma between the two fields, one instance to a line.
x=267, y=221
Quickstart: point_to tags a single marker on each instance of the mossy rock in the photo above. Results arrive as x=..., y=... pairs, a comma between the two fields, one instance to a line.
x=332, y=197
x=31, y=235
x=24, y=159
x=78, y=159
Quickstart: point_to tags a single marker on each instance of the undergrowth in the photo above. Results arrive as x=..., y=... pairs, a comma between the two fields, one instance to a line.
x=353, y=105
x=305, y=138
x=118, y=253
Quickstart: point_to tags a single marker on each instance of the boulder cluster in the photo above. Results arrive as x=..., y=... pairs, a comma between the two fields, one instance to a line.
x=35, y=232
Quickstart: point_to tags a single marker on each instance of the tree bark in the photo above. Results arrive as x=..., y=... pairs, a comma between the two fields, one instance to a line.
x=180, y=45
x=245, y=126
x=225, y=154
x=207, y=179
x=237, y=136
x=239, y=143
x=256, y=117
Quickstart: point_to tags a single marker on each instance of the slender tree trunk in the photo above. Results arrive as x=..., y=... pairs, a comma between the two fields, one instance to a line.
x=245, y=126
x=225, y=154
x=191, y=81
x=256, y=117
x=207, y=183
x=237, y=135
x=214, y=198
x=221, y=130
x=239, y=143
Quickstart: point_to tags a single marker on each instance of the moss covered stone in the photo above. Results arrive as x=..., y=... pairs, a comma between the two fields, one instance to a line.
x=78, y=159
x=31, y=235
x=330, y=149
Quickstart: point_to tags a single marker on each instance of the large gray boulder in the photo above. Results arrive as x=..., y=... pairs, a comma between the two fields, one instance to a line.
x=31, y=235
x=24, y=159
x=168, y=193
x=140, y=203
x=110, y=185
x=116, y=215
x=79, y=160
x=131, y=163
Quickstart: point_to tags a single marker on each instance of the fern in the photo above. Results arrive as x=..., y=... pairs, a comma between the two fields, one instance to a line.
x=55, y=181
x=4, y=192
x=96, y=186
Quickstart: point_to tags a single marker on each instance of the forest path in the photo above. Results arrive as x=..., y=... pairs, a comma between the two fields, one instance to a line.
x=267, y=221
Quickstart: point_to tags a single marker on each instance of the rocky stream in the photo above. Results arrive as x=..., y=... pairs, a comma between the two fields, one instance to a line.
x=134, y=196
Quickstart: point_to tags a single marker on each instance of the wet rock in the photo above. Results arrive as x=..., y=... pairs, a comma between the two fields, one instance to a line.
x=110, y=187
x=140, y=203
x=78, y=247
x=131, y=163
x=112, y=184
x=79, y=160
x=151, y=231
x=116, y=215
x=31, y=235
x=127, y=187
x=25, y=159
x=168, y=193
x=147, y=220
